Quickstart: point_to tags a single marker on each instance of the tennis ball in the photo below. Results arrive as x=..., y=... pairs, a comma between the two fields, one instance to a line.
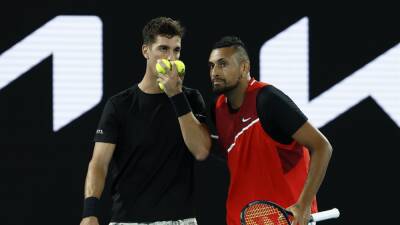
x=161, y=69
x=180, y=67
x=161, y=86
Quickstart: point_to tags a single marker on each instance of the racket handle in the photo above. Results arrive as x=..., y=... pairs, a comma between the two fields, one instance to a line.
x=325, y=215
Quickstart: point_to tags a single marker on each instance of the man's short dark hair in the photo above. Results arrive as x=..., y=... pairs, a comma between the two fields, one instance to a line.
x=235, y=43
x=229, y=41
x=163, y=26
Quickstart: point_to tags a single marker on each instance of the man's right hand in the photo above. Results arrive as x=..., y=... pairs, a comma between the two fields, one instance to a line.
x=91, y=220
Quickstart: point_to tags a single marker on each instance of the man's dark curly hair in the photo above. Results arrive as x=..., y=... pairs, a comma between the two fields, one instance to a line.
x=163, y=26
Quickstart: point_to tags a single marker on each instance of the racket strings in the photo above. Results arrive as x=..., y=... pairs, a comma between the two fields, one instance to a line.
x=261, y=214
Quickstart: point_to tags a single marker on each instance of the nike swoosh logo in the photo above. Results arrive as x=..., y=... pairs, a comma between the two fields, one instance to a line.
x=245, y=120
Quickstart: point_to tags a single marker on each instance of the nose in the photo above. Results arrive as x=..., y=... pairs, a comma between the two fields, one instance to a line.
x=213, y=72
x=172, y=55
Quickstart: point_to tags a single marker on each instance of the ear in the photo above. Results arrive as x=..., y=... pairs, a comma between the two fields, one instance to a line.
x=145, y=51
x=245, y=67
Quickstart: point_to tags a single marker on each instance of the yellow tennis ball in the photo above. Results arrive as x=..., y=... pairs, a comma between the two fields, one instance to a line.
x=161, y=69
x=180, y=67
x=161, y=86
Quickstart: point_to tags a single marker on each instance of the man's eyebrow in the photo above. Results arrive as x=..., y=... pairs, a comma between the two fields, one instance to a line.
x=218, y=60
x=163, y=46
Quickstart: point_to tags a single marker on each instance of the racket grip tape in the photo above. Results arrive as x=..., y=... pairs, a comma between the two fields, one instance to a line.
x=325, y=215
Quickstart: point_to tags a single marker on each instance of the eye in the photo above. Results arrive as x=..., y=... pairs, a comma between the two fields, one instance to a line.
x=177, y=50
x=221, y=64
x=163, y=48
x=211, y=65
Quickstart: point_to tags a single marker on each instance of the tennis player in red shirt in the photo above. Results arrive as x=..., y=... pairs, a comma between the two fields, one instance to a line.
x=273, y=152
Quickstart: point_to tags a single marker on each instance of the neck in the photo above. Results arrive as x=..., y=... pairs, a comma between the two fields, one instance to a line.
x=236, y=96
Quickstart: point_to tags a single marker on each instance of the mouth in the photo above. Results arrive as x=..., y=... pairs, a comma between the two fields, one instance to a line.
x=218, y=81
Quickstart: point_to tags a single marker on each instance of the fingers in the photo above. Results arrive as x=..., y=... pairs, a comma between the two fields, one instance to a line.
x=293, y=217
x=166, y=67
x=300, y=214
x=162, y=77
x=169, y=69
x=171, y=75
x=299, y=221
x=174, y=70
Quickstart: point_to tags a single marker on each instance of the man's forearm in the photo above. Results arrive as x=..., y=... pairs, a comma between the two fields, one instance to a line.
x=95, y=180
x=195, y=135
x=319, y=163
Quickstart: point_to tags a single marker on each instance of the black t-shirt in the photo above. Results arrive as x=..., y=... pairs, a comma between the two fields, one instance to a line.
x=279, y=115
x=151, y=169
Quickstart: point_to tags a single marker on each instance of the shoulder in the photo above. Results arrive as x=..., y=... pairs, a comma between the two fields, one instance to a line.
x=124, y=96
x=190, y=91
x=195, y=99
x=269, y=90
x=193, y=95
x=270, y=94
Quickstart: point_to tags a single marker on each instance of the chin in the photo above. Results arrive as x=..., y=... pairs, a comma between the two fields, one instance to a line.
x=218, y=91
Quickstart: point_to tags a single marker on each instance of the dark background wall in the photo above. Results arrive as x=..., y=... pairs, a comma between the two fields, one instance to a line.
x=42, y=172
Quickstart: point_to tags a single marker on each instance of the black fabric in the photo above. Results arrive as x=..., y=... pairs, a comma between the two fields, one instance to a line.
x=279, y=115
x=216, y=152
x=151, y=169
x=180, y=104
x=211, y=111
x=90, y=207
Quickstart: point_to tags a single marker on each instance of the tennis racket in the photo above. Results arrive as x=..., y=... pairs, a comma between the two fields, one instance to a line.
x=269, y=213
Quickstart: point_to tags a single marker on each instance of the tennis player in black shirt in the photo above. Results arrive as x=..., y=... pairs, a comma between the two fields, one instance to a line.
x=147, y=140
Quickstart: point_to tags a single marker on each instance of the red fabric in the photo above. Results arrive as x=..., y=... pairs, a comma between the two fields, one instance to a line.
x=260, y=168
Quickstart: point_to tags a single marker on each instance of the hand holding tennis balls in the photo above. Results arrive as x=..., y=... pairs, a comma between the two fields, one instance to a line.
x=180, y=68
x=160, y=68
